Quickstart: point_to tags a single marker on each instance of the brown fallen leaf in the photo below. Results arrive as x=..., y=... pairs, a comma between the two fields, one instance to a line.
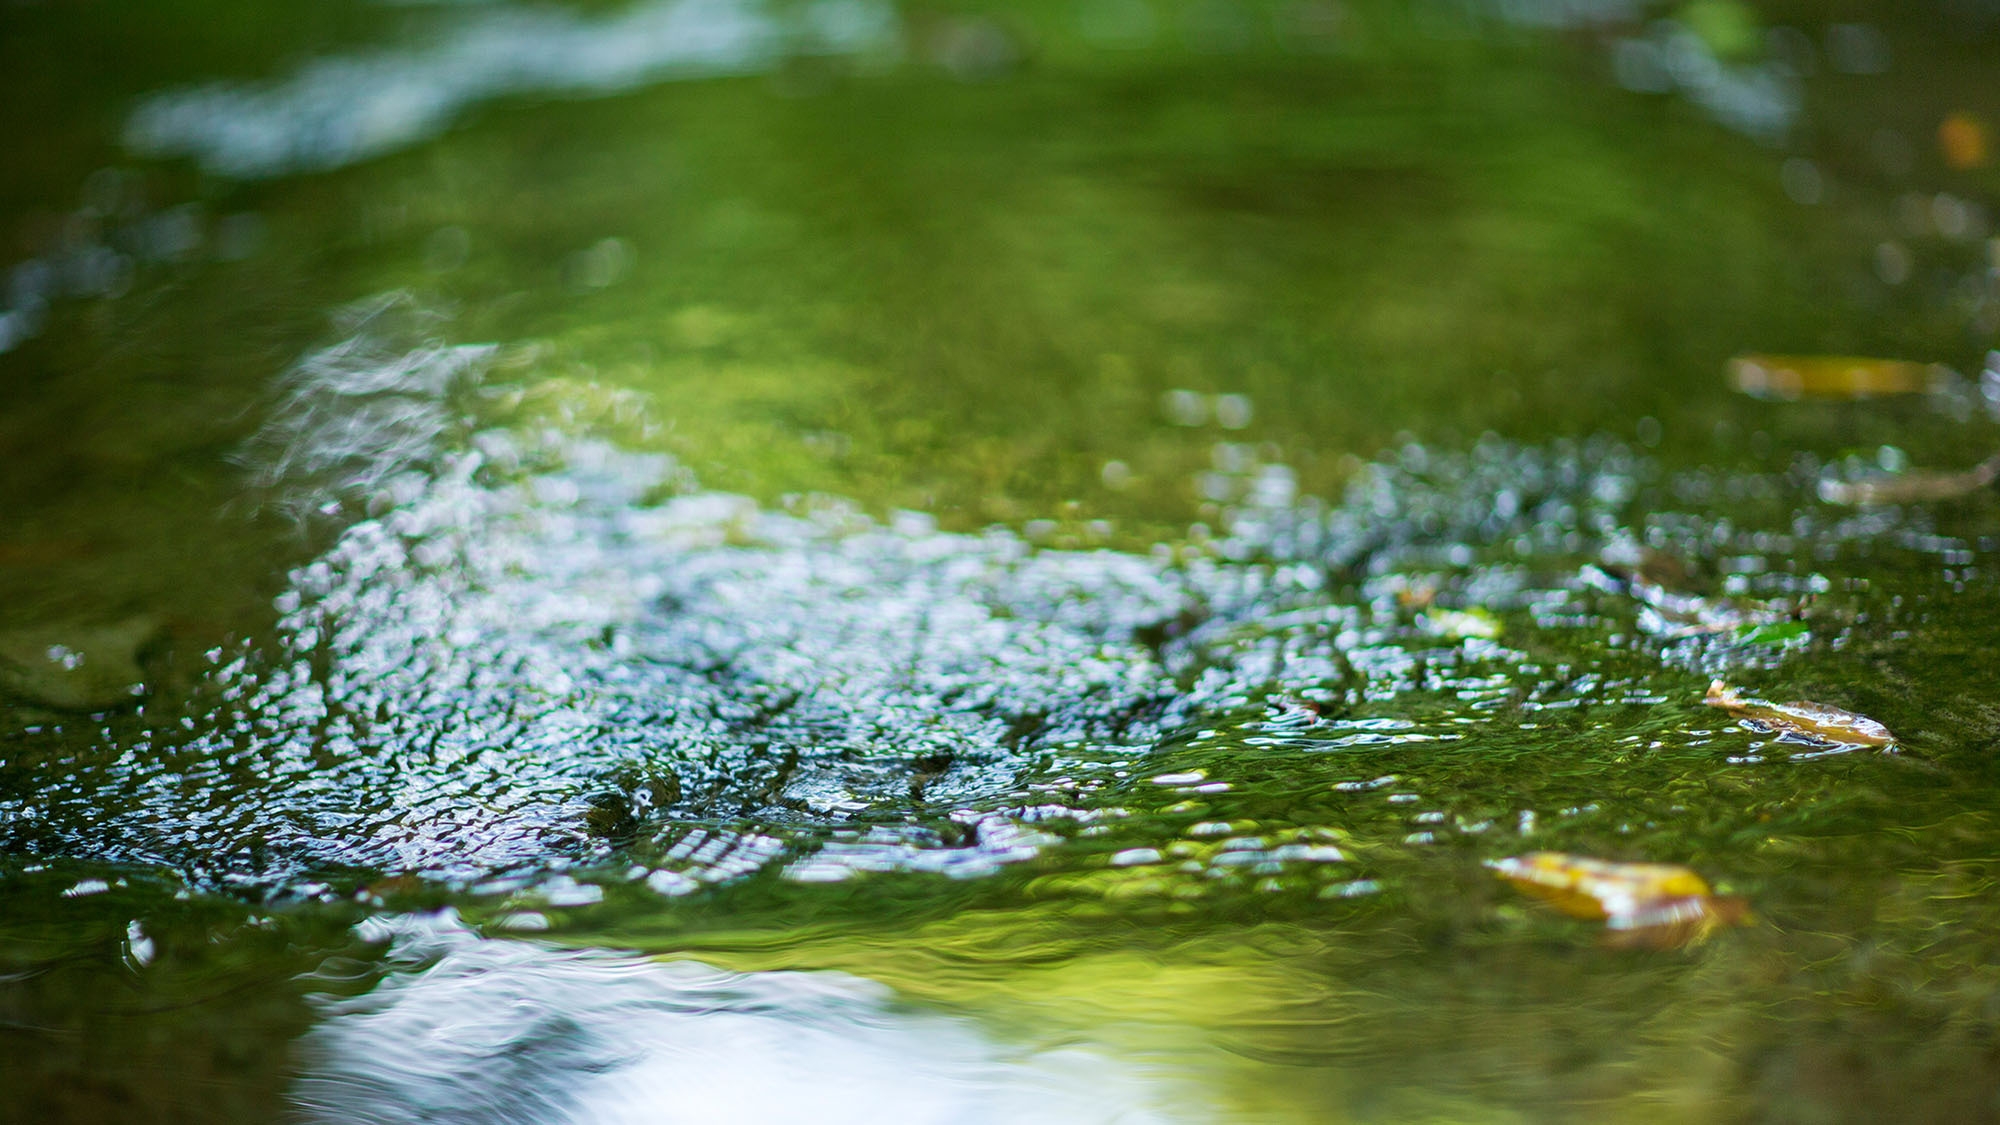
x=1915, y=487
x=1297, y=709
x=1642, y=905
x=1816, y=723
x=1833, y=376
x=1416, y=596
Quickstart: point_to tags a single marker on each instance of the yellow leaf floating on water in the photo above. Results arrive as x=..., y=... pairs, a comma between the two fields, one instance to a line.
x=1811, y=722
x=1962, y=141
x=1915, y=487
x=1654, y=905
x=1833, y=376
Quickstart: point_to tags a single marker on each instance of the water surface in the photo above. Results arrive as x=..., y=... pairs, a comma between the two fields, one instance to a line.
x=698, y=561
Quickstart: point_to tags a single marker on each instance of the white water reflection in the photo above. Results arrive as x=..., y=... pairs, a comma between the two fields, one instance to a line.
x=340, y=109
x=512, y=1031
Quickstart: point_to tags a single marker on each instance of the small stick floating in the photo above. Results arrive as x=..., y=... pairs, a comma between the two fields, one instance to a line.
x=1915, y=487
x=1674, y=613
x=1653, y=905
x=1812, y=722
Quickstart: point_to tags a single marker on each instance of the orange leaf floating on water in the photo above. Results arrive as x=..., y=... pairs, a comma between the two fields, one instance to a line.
x=1962, y=141
x=1597, y=889
x=1812, y=722
x=1833, y=376
x=1417, y=595
x=1656, y=905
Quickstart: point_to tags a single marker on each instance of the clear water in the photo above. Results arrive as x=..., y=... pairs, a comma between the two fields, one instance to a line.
x=707, y=562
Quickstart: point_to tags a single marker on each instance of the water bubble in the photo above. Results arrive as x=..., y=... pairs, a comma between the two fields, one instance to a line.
x=604, y=264
x=1232, y=411
x=1184, y=407
x=1276, y=486
x=1892, y=262
x=1957, y=219
x=1231, y=456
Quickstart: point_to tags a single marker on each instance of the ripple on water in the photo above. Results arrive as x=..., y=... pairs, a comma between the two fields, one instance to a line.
x=516, y=656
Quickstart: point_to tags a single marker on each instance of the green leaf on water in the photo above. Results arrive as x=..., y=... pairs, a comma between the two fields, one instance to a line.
x=1459, y=624
x=1776, y=634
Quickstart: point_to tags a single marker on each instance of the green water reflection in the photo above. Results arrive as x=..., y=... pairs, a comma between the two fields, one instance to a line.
x=910, y=490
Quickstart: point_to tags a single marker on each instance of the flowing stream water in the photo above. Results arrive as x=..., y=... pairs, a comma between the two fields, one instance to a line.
x=707, y=561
